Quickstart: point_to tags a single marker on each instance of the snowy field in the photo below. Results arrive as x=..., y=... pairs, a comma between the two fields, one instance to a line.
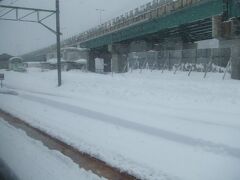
x=153, y=125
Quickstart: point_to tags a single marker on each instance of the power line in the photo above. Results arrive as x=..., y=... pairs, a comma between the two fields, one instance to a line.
x=11, y=3
x=38, y=20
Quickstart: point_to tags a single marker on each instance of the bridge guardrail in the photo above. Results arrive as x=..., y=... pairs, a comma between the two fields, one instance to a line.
x=154, y=9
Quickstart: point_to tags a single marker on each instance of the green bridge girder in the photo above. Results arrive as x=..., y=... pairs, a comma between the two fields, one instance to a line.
x=202, y=10
x=234, y=8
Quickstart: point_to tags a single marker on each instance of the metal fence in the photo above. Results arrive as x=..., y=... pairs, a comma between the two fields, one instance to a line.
x=189, y=59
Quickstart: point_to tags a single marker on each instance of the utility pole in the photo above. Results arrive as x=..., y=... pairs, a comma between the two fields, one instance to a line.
x=100, y=14
x=58, y=43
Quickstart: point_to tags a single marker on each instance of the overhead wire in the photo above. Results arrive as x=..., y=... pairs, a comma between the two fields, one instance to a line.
x=11, y=3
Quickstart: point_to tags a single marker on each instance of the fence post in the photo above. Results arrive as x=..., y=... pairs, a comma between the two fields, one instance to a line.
x=166, y=61
x=227, y=67
x=179, y=64
x=190, y=71
x=209, y=64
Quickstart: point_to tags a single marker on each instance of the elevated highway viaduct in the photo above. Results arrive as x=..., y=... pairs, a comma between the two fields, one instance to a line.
x=161, y=25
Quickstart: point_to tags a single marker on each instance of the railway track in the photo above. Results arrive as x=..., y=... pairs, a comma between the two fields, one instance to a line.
x=84, y=160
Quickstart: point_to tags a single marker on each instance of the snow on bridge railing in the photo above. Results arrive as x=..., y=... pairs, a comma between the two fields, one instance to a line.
x=154, y=9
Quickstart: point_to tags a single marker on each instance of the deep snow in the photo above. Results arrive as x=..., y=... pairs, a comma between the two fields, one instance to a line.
x=30, y=159
x=154, y=125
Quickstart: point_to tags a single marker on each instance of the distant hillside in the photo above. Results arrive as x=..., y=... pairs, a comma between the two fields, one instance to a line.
x=5, y=57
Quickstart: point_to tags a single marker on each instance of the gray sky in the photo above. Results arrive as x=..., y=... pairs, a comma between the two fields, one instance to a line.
x=76, y=16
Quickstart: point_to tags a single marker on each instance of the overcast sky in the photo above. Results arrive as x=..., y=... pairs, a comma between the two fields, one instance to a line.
x=76, y=16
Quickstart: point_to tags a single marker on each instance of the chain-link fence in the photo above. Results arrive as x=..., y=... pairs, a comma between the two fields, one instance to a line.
x=201, y=60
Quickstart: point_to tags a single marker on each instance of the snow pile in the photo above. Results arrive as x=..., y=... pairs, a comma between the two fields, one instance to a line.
x=29, y=159
x=52, y=61
x=200, y=67
x=7, y=91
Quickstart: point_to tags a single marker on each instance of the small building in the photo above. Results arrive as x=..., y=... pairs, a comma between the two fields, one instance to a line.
x=71, y=58
x=16, y=64
x=74, y=54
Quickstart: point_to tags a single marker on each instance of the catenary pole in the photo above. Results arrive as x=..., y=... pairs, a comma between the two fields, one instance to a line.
x=58, y=43
x=30, y=11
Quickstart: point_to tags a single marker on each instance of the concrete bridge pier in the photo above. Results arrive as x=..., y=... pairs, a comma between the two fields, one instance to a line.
x=119, y=54
x=235, y=55
x=234, y=44
x=102, y=54
x=230, y=38
x=91, y=64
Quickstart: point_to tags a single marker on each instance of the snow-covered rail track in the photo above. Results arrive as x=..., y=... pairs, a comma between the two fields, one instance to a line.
x=84, y=160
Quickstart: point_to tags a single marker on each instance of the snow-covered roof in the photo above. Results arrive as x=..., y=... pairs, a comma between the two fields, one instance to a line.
x=15, y=57
x=54, y=61
x=81, y=61
x=74, y=48
x=37, y=62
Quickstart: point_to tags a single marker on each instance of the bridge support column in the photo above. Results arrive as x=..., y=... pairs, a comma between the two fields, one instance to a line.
x=102, y=54
x=234, y=44
x=91, y=64
x=235, y=54
x=119, y=57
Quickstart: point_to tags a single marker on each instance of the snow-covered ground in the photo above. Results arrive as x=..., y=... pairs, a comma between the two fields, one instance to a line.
x=154, y=125
x=30, y=159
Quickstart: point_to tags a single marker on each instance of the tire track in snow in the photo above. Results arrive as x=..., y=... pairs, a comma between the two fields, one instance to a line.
x=174, y=117
x=157, y=132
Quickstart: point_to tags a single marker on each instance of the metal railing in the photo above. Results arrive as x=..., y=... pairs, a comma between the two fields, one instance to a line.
x=151, y=10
